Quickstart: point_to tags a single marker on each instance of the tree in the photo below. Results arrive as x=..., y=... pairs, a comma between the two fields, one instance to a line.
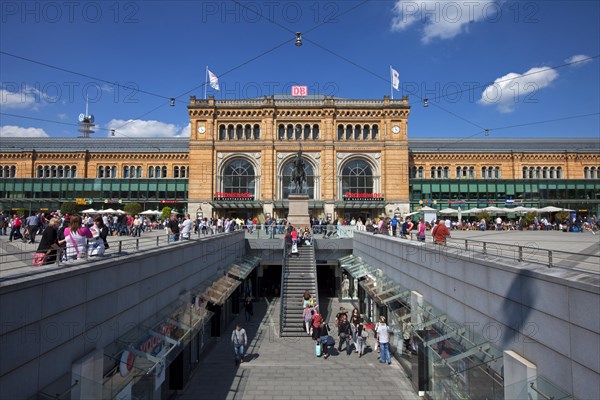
x=68, y=208
x=528, y=219
x=561, y=216
x=133, y=208
x=484, y=215
x=166, y=213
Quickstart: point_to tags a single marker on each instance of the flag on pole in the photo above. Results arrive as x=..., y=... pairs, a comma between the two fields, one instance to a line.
x=395, y=79
x=214, y=81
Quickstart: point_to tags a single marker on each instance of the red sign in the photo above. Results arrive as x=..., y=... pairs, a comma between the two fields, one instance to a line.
x=233, y=196
x=169, y=201
x=349, y=196
x=300, y=91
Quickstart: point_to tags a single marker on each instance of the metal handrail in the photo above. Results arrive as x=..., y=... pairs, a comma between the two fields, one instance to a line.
x=125, y=246
x=281, y=289
x=548, y=257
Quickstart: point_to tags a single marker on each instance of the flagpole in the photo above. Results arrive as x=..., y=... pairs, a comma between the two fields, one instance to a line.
x=205, y=81
x=391, y=82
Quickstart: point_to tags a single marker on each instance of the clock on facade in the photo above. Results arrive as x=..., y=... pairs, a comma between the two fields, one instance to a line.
x=201, y=129
x=395, y=129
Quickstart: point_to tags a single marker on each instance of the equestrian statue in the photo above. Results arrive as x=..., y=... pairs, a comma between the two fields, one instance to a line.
x=298, y=174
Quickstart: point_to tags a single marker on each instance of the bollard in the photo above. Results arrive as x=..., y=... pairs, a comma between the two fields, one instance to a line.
x=484, y=248
x=549, y=258
x=137, y=244
x=520, y=253
x=157, y=240
x=120, y=247
x=466, y=245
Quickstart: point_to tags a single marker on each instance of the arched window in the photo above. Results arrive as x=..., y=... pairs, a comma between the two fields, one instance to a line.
x=551, y=173
x=298, y=132
x=239, y=177
x=471, y=172
x=524, y=172
x=348, y=132
x=248, y=132
x=433, y=172
x=357, y=177
x=545, y=173
x=281, y=132
x=150, y=172
x=559, y=174
x=175, y=172
x=139, y=171
x=290, y=132
x=256, y=131
x=315, y=132
x=286, y=181
x=420, y=173
x=365, y=133
x=13, y=171
x=306, y=132
x=340, y=132
x=40, y=171
x=222, y=132
x=497, y=174
x=446, y=172
x=125, y=172
x=230, y=132
x=357, y=130
x=164, y=171
x=239, y=132
x=374, y=132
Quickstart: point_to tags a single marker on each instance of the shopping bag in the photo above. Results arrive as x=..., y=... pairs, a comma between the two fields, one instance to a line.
x=318, y=350
x=294, y=248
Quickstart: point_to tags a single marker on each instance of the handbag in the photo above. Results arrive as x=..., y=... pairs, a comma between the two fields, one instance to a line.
x=364, y=334
x=39, y=259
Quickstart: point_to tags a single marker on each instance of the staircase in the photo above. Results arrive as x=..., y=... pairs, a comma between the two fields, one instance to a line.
x=299, y=274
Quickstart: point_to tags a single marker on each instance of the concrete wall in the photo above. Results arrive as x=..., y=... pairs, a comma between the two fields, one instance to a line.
x=48, y=323
x=551, y=317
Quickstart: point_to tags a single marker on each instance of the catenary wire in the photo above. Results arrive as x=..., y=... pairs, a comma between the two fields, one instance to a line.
x=83, y=75
x=511, y=79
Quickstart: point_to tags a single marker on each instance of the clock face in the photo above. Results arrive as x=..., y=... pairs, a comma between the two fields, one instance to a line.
x=201, y=129
x=395, y=129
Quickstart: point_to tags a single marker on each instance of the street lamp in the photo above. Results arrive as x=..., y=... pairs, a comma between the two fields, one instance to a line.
x=298, y=39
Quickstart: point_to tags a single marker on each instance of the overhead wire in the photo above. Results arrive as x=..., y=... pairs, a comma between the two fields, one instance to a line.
x=83, y=75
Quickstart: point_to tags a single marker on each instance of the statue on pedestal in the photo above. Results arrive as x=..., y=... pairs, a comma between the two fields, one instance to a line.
x=355, y=295
x=345, y=287
x=298, y=174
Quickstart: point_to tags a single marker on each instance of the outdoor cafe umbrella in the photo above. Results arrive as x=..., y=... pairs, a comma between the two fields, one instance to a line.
x=496, y=210
x=448, y=211
x=107, y=211
x=89, y=211
x=473, y=211
x=149, y=212
x=552, y=209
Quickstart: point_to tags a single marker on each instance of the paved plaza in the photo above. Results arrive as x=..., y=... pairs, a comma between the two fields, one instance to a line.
x=287, y=368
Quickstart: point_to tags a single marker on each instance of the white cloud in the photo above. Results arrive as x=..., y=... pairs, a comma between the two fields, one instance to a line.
x=19, y=96
x=62, y=116
x=185, y=132
x=509, y=90
x=17, y=131
x=579, y=59
x=140, y=128
x=443, y=19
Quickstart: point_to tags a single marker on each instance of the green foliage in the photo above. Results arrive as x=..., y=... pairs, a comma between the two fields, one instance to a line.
x=561, y=216
x=133, y=208
x=484, y=215
x=528, y=219
x=20, y=211
x=166, y=213
x=68, y=208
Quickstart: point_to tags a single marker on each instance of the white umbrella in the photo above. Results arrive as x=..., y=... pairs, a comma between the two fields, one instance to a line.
x=120, y=211
x=520, y=209
x=552, y=209
x=149, y=212
x=107, y=211
x=412, y=213
x=427, y=209
x=473, y=211
x=448, y=211
x=89, y=211
x=496, y=210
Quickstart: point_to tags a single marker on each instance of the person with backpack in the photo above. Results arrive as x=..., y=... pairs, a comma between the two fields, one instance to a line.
x=239, y=339
x=407, y=227
x=344, y=333
x=383, y=336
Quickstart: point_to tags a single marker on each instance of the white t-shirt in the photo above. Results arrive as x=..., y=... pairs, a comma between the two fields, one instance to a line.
x=383, y=333
x=186, y=227
x=76, y=242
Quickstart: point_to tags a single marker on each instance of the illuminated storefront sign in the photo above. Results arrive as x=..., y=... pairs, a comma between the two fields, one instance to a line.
x=355, y=196
x=233, y=196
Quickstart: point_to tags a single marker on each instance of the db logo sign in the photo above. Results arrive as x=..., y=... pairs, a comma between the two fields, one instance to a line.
x=299, y=90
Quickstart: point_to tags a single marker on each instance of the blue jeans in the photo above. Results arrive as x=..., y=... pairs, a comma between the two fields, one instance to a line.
x=238, y=349
x=385, y=353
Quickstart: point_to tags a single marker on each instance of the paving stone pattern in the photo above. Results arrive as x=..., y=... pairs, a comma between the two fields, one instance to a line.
x=287, y=368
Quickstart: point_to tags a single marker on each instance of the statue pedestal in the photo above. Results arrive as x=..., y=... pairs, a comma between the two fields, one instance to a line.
x=298, y=211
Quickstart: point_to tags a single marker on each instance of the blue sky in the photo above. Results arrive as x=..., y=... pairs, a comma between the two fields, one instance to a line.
x=448, y=52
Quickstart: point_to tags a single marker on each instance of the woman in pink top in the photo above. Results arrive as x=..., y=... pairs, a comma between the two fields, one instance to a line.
x=76, y=238
x=421, y=229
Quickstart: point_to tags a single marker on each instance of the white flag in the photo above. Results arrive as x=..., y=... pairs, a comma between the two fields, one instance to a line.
x=214, y=81
x=395, y=79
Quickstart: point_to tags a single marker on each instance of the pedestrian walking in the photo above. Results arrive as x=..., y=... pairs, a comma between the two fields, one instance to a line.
x=345, y=333
x=239, y=339
x=383, y=335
